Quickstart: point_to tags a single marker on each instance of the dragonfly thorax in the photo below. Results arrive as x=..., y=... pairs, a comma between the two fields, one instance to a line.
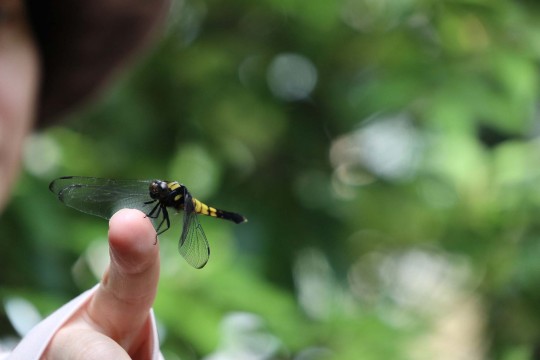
x=168, y=193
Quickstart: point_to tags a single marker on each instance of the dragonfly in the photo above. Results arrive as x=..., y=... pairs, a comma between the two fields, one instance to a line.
x=103, y=197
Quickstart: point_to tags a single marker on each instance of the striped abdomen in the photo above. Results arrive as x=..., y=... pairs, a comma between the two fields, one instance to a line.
x=202, y=208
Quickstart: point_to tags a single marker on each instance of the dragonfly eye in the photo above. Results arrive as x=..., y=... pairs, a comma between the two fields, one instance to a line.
x=158, y=189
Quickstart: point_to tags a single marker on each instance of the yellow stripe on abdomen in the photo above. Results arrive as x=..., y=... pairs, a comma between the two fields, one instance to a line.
x=202, y=208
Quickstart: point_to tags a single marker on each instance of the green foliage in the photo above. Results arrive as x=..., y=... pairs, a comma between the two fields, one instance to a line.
x=392, y=206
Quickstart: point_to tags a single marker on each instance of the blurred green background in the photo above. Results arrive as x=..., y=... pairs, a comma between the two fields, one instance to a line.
x=386, y=154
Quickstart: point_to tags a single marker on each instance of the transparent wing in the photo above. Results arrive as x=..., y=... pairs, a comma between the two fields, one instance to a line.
x=193, y=245
x=104, y=197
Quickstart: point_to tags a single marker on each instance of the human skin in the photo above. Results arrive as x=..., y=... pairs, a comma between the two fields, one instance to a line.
x=115, y=323
x=19, y=76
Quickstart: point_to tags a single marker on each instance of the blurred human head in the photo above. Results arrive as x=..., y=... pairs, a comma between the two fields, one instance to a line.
x=19, y=73
x=55, y=55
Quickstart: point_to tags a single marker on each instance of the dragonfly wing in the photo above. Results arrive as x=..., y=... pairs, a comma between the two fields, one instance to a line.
x=104, y=197
x=193, y=245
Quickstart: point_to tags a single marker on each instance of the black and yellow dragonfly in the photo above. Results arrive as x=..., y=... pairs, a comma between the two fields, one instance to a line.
x=103, y=197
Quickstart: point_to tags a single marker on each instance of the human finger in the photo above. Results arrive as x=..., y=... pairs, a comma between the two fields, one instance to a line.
x=120, y=307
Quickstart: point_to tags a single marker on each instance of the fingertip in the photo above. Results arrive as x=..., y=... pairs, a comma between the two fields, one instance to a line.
x=132, y=239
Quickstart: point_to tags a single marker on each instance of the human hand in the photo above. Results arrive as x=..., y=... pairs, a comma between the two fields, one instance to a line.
x=115, y=322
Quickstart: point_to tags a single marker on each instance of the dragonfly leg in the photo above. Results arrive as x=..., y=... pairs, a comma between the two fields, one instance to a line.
x=157, y=207
x=154, y=214
x=165, y=220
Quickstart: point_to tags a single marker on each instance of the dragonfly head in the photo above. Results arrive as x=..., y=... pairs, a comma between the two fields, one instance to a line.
x=159, y=189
